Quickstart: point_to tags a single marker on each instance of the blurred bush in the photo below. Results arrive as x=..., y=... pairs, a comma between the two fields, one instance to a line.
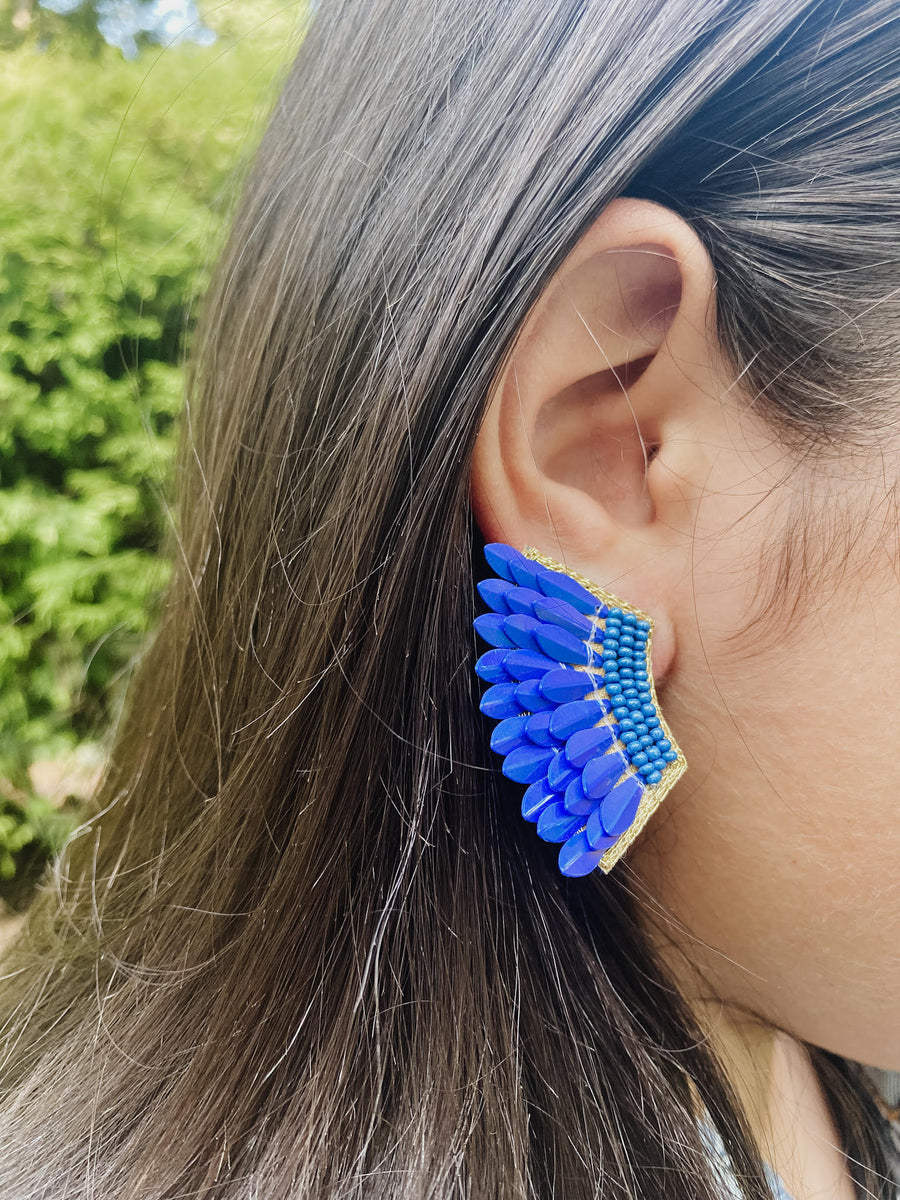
x=118, y=176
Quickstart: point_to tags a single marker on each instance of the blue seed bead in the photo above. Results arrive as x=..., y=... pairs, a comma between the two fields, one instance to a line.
x=613, y=689
x=652, y=722
x=626, y=723
x=490, y=628
x=644, y=625
x=648, y=710
x=641, y=676
x=556, y=825
x=639, y=759
x=509, y=734
x=576, y=802
x=654, y=778
x=662, y=742
x=641, y=728
x=537, y=797
x=576, y=857
x=521, y=630
x=563, y=587
x=557, y=612
x=630, y=690
x=645, y=742
x=490, y=666
x=651, y=751
x=634, y=705
x=560, y=773
x=501, y=701
x=562, y=646
x=563, y=684
x=629, y=618
x=528, y=664
x=621, y=711
x=526, y=764
x=628, y=737
x=670, y=756
x=521, y=600
x=499, y=556
x=626, y=672
x=538, y=729
x=529, y=698
x=587, y=742
x=626, y=642
x=611, y=676
x=648, y=769
x=608, y=655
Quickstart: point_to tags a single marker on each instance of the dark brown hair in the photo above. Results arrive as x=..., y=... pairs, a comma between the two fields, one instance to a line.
x=307, y=947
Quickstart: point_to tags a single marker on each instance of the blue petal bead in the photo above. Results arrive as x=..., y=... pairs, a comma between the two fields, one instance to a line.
x=493, y=593
x=490, y=666
x=528, y=695
x=500, y=702
x=560, y=773
x=619, y=808
x=563, y=587
x=556, y=825
x=595, y=835
x=528, y=664
x=587, y=742
x=601, y=772
x=557, y=612
x=525, y=571
x=499, y=558
x=537, y=729
x=538, y=796
x=489, y=627
x=521, y=630
x=563, y=684
x=561, y=645
x=576, y=802
x=578, y=714
x=509, y=734
x=526, y=764
x=521, y=600
x=576, y=856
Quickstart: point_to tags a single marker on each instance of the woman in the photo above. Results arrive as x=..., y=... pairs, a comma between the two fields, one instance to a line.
x=620, y=282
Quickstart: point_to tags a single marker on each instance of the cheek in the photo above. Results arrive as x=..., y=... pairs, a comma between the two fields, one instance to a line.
x=780, y=848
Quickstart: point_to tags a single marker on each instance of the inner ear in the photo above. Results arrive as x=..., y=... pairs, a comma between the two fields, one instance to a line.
x=588, y=437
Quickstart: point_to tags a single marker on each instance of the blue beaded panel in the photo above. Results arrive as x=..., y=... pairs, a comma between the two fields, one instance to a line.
x=577, y=720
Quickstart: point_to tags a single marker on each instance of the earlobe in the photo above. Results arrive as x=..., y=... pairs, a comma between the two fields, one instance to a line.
x=616, y=359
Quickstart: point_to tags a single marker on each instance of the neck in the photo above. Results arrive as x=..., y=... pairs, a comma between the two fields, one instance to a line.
x=780, y=1093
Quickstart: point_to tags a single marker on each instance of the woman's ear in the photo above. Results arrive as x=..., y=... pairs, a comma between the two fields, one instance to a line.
x=592, y=447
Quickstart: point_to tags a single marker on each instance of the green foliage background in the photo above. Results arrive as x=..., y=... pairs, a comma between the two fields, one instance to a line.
x=118, y=177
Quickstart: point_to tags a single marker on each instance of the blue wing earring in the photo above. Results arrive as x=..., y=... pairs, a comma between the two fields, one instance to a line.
x=572, y=693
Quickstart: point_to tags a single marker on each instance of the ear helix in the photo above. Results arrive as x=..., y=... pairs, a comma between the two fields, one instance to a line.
x=578, y=721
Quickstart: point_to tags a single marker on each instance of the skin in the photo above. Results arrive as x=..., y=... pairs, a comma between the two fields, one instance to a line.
x=617, y=440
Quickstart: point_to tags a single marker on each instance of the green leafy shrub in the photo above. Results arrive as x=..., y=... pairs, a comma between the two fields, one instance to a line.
x=117, y=179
